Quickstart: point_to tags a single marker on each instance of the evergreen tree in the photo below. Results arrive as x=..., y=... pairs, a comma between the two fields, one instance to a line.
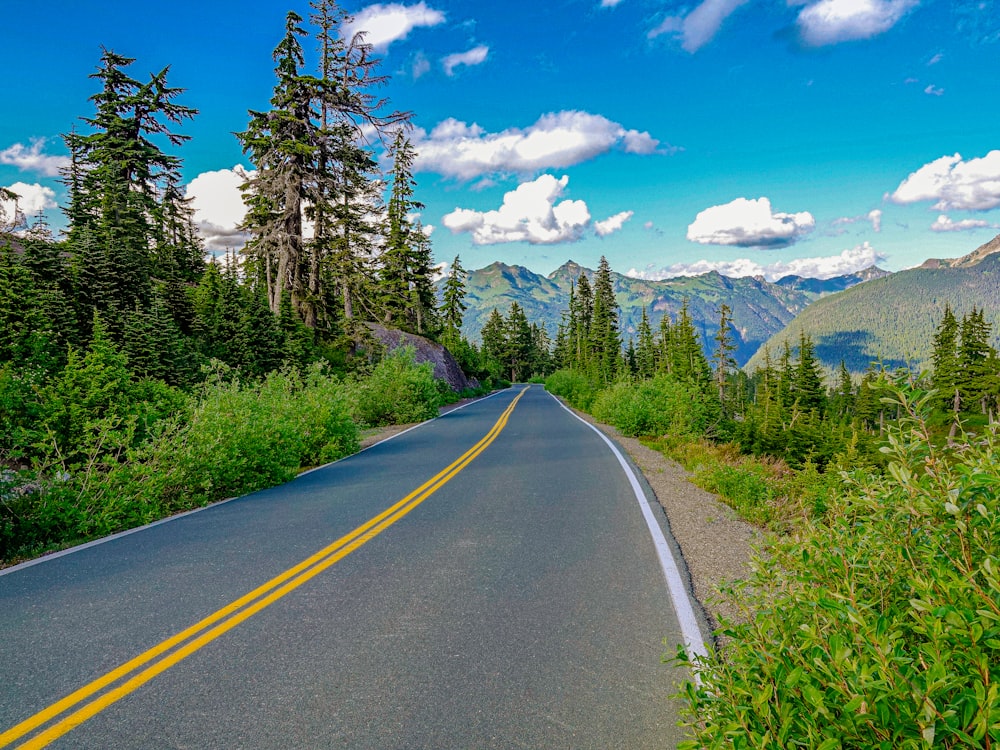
x=406, y=257
x=582, y=317
x=687, y=360
x=518, y=344
x=281, y=143
x=123, y=187
x=604, y=339
x=842, y=401
x=723, y=360
x=807, y=384
x=645, y=352
x=453, y=300
x=945, y=361
x=494, y=337
x=975, y=356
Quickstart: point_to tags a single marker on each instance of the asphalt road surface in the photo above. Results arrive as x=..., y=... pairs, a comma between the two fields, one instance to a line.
x=485, y=580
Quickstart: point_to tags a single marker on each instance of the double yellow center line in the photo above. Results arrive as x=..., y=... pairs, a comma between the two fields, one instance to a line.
x=185, y=643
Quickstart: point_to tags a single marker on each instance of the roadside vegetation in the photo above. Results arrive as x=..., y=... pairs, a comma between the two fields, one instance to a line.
x=871, y=619
x=107, y=454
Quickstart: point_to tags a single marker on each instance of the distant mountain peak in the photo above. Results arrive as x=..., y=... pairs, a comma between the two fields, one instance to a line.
x=974, y=258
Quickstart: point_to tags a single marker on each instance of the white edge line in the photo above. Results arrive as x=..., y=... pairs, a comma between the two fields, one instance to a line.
x=683, y=608
x=137, y=529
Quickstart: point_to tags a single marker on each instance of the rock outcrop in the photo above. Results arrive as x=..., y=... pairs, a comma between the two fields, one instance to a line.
x=425, y=350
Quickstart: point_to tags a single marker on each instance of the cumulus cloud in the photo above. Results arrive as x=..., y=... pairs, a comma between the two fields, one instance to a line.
x=31, y=159
x=612, y=224
x=385, y=24
x=218, y=207
x=749, y=223
x=875, y=217
x=849, y=261
x=954, y=184
x=30, y=200
x=943, y=223
x=557, y=140
x=833, y=21
x=531, y=213
x=700, y=26
x=475, y=56
x=535, y=213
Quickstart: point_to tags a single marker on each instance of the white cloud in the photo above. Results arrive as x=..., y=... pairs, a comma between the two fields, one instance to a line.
x=385, y=24
x=218, y=207
x=612, y=224
x=954, y=184
x=556, y=141
x=874, y=217
x=609, y=3
x=749, y=223
x=30, y=200
x=833, y=21
x=531, y=213
x=936, y=59
x=943, y=223
x=933, y=90
x=700, y=26
x=421, y=65
x=847, y=262
x=475, y=56
x=31, y=159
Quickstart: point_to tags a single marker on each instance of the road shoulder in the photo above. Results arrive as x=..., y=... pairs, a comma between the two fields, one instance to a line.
x=715, y=543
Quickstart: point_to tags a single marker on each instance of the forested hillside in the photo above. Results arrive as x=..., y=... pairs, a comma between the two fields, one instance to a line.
x=892, y=319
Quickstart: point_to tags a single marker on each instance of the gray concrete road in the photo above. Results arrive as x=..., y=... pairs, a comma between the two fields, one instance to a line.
x=521, y=604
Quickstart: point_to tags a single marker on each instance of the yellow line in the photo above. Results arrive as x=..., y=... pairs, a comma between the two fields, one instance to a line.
x=299, y=574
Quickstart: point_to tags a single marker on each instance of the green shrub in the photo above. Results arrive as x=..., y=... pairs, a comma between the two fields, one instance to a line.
x=574, y=386
x=398, y=391
x=877, y=626
x=652, y=407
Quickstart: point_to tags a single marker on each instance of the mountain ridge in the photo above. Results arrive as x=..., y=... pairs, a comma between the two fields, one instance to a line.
x=892, y=320
x=759, y=308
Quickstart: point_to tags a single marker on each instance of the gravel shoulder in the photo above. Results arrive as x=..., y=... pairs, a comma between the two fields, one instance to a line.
x=715, y=542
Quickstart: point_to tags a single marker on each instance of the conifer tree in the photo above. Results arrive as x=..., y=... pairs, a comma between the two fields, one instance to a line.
x=807, y=383
x=122, y=187
x=281, y=144
x=723, y=358
x=945, y=361
x=582, y=317
x=605, y=340
x=645, y=351
x=402, y=269
x=453, y=300
x=974, y=361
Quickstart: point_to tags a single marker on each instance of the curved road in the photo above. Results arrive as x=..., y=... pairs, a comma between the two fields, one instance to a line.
x=508, y=596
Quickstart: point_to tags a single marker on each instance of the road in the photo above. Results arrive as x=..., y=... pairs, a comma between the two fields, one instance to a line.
x=509, y=595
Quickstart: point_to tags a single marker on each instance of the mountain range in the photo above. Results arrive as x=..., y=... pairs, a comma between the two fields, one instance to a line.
x=760, y=309
x=860, y=318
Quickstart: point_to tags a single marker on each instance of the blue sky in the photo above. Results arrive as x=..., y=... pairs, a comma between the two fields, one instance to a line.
x=806, y=136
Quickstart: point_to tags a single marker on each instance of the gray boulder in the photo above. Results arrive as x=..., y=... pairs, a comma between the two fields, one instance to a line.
x=425, y=350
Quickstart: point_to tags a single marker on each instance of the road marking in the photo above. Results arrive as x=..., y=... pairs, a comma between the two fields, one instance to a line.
x=683, y=608
x=236, y=612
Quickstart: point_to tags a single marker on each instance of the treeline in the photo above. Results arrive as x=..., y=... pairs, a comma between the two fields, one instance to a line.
x=120, y=341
